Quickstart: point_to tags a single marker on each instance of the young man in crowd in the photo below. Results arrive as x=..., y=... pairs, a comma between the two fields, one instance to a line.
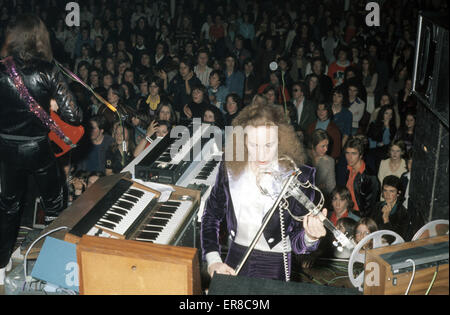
x=361, y=181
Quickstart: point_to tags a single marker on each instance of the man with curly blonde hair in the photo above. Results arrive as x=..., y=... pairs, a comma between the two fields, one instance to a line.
x=237, y=198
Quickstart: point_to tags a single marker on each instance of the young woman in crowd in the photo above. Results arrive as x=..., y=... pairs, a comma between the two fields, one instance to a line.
x=217, y=90
x=323, y=163
x=118, y=156
x=365, y=227
x=370, y=81
x=166, y=112
x=395, y=164
x=233, y=106
x=156, y=129
x=213, y=115
x=198, y=103
x=385, y=100
x=115, y=97
x=324, y=121
x=380, y=135
x=407, y=131
x=342, y=117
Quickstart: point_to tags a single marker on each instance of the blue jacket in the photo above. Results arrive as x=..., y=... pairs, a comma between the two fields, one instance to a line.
x=235, y=83
x=221, y=96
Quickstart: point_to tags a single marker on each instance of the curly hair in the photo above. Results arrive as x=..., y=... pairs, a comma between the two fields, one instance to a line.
x=257, y=114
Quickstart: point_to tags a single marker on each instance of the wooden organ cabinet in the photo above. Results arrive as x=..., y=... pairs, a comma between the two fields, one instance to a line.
x=389, y=270
x=130, y=242
x=123, y=267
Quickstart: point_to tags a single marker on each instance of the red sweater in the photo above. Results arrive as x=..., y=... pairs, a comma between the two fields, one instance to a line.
x=337, y=72
x=280, y=93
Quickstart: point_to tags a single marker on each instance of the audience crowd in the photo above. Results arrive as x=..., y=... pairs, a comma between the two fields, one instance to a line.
x=345, y=86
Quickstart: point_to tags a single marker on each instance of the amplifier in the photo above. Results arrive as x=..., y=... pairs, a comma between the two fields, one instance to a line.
x=389, y=270
x=430, y=80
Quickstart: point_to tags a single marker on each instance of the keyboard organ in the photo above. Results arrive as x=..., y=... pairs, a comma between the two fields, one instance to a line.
x=162, y=226
x=129, y=210
x=202, y=175
x=170, y=159
x=118, y=211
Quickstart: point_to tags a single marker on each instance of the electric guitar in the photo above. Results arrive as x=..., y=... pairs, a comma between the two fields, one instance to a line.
x=74, y=133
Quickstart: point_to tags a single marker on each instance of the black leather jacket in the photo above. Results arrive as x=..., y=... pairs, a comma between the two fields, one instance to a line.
x=44, y=82
x=367, y=191
x=398, y=220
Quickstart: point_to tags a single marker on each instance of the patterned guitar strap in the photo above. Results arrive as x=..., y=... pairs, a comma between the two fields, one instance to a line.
x=33, y=106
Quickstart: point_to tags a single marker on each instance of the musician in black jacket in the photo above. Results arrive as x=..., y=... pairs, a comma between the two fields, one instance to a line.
x=24, y=144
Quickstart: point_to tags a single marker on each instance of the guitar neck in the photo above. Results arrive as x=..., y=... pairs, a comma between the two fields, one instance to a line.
x=338, y=235
x=330, y=226
x=316, y=211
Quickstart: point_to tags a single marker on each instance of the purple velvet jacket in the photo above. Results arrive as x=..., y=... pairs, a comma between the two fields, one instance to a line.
x=219, y=206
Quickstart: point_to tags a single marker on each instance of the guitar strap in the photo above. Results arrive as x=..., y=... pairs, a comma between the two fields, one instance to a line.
x=33, y=106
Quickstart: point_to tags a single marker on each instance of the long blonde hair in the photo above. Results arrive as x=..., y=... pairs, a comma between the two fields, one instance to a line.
x=257, y=114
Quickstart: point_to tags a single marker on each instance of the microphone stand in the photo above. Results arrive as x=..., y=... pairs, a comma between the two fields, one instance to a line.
x=284, y=95
x=274, y=66
x=75, y=78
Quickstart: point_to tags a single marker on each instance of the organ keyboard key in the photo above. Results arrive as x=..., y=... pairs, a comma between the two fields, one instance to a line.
x=202, y=175
x=112, y=205
x=117, y=211
x=173, y=156
x=163, y=224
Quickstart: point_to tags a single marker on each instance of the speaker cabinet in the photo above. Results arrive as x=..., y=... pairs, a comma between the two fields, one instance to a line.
x=429, y=174
x=430, y=82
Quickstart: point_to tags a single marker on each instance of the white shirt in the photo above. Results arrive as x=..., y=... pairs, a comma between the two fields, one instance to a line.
x=205, y=30
x=158, y=59
x=203, y=76
x=405, y=203
x=299, y=110
x=250, y=207
x=357, y=108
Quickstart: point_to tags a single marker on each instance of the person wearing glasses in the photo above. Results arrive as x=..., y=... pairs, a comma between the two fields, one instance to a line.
x=152, y=93
x=365, y=227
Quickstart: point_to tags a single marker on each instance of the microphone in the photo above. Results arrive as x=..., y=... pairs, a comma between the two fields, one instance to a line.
x=273, y=66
